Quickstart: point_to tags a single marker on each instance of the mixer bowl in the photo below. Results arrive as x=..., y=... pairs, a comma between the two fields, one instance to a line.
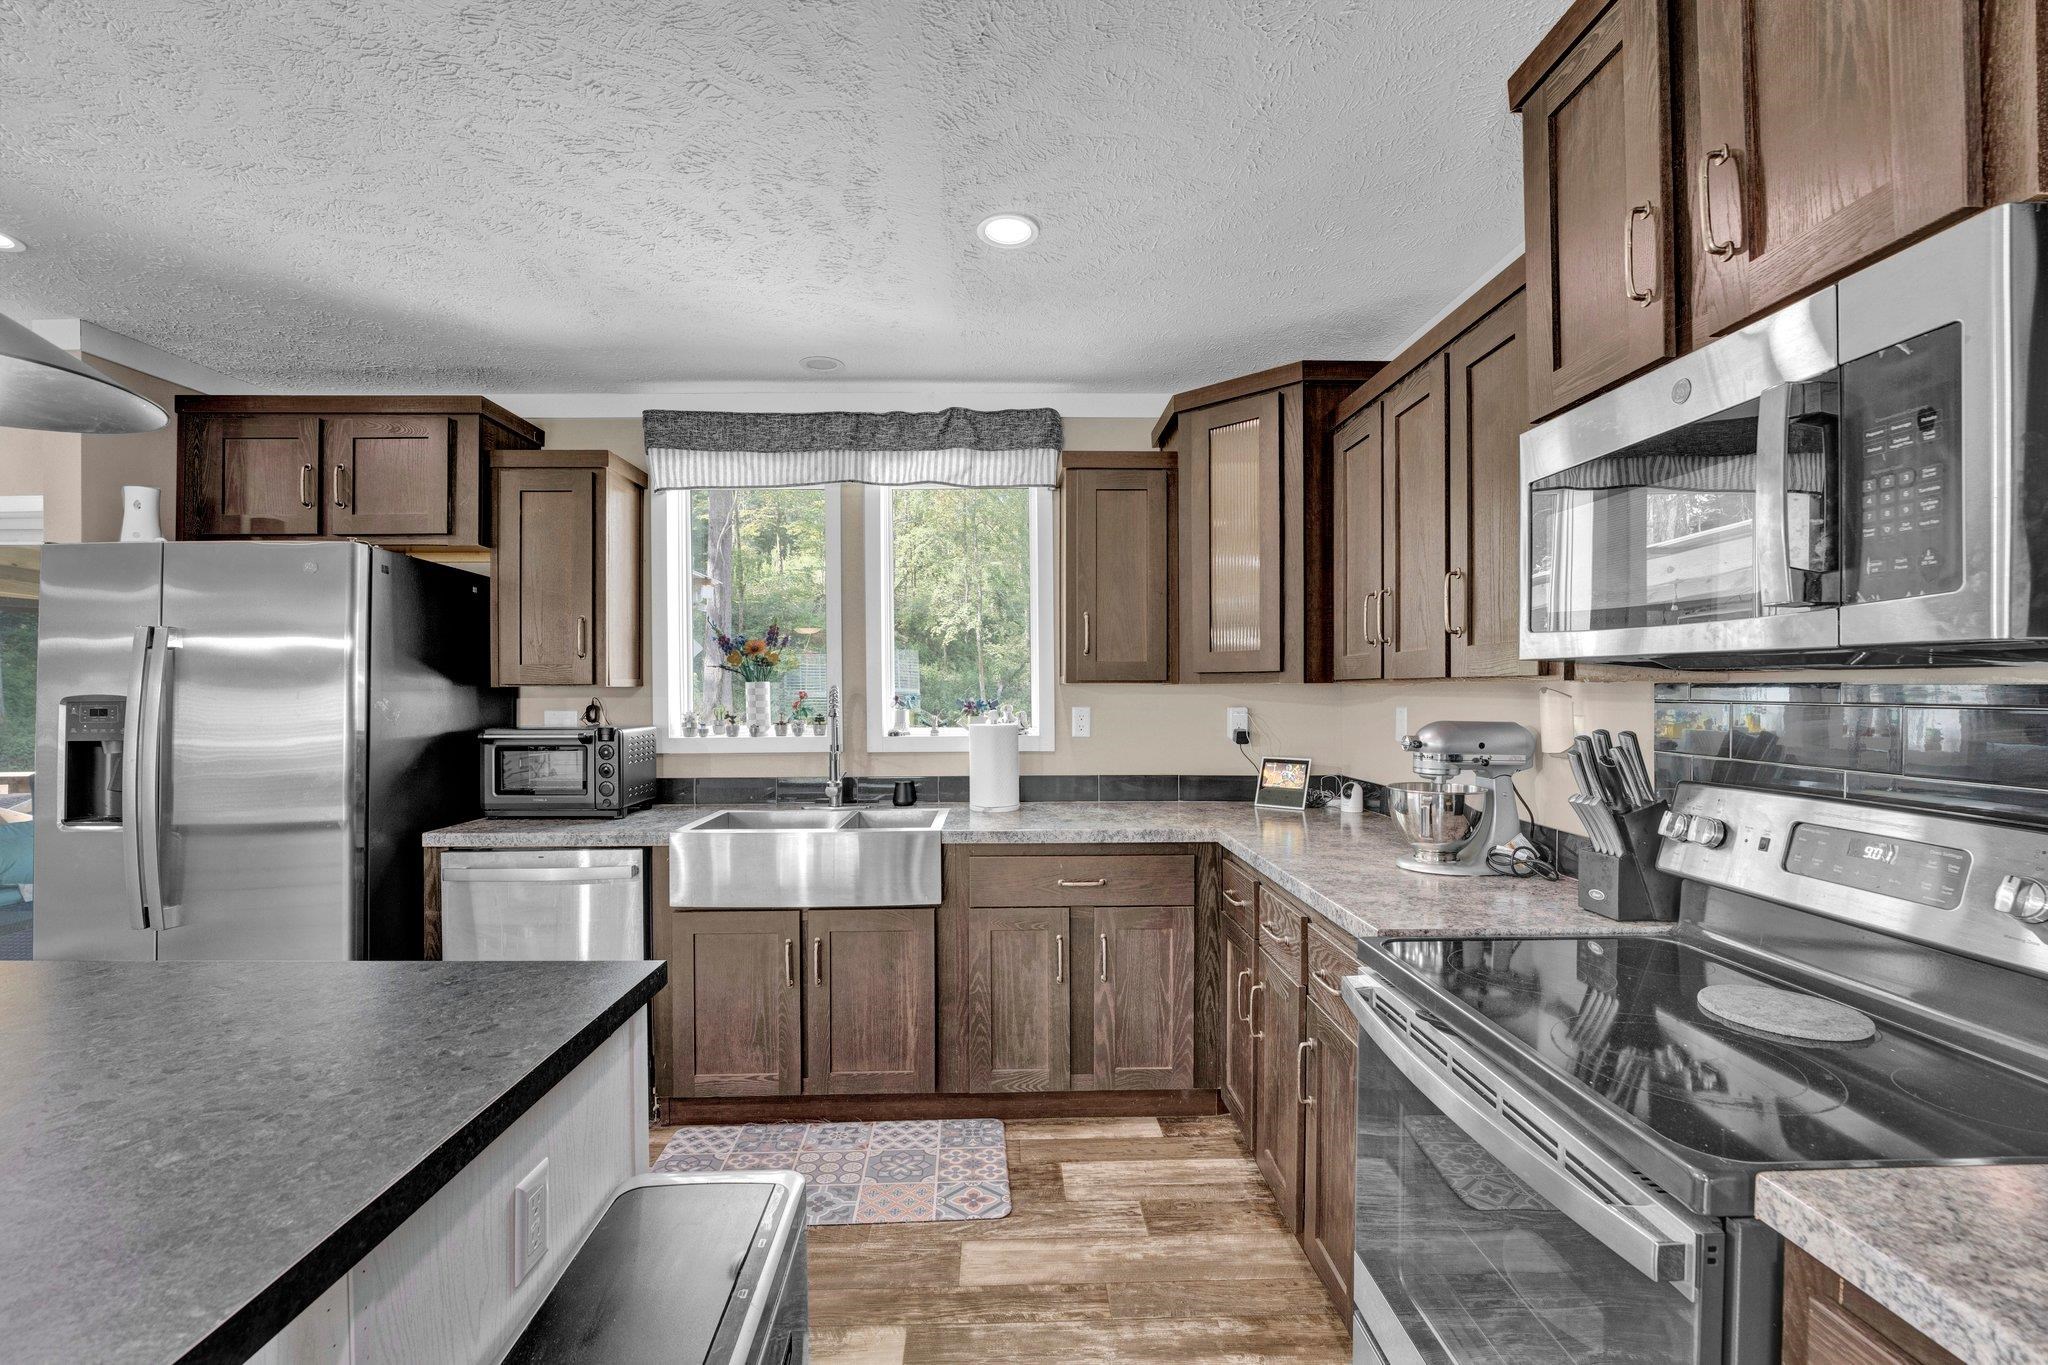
x=1439, y=821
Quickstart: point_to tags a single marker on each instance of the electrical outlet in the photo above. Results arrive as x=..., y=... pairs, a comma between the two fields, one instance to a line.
x=1084, y=721
x=530, y=1222
x=1400, y=723
x=561, y=720
x=1237, y=724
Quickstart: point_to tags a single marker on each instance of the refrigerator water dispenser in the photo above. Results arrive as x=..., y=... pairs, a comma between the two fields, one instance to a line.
x=92, y=759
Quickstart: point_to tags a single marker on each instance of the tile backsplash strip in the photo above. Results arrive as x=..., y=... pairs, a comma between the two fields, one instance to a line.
x=1976, y=749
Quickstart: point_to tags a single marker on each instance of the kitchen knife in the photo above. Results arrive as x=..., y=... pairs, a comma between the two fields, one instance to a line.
x=1630, y=752
x=1606, y=783
x=1581, y=773
x=1583, y=805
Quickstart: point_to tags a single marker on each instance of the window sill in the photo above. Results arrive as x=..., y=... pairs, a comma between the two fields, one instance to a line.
x=947, y=742
x=739, y=744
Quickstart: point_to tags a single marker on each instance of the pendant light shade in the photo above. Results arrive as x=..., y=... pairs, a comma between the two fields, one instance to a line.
x=47, y=389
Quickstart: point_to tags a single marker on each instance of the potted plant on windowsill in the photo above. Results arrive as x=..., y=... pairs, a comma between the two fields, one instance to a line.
x=799, y=716
x=728, y=722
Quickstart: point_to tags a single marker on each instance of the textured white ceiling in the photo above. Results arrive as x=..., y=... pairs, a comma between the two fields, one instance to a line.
x=598, y=194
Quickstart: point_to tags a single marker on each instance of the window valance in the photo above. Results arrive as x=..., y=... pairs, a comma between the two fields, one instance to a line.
x=961, y=447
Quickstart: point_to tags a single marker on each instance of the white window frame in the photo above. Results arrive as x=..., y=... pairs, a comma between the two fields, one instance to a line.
x=881, y=633
x=669, y=538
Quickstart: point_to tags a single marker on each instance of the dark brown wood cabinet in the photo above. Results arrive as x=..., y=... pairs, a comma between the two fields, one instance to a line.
x=566, y=572
x=870, y=1002
x=1278, y=1089
x=1489, y=386
x=1828, y=1321
x=1596, y=157
x=1238, y=1069
x=1415, y=429
x=1357, y=568
x=409, y=472
x=735, y=1003
x=1118, y=524
x=1019, y=965
x=1817, y=136
x=1254, y=475
x=1329, y=1142
x=1144, y=997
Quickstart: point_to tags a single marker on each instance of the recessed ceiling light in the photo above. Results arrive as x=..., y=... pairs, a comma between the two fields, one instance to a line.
x=12, y=243
x=1008, y=229
x=822, y=363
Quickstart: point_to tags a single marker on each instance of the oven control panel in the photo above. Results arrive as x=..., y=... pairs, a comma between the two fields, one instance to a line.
x=1928, y=874
x=1902, y=445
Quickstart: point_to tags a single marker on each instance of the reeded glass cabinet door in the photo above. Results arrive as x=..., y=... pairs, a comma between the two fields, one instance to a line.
x=1234, y=484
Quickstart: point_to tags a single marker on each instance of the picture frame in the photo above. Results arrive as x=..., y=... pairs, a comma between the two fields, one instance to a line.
x=1283, y=784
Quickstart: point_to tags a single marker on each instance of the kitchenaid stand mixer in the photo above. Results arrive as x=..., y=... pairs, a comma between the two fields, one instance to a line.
x=1435, y=814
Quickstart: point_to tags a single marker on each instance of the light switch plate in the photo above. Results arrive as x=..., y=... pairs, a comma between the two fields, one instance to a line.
x=1084, y=721
x=561, y=720
x=530, y=1222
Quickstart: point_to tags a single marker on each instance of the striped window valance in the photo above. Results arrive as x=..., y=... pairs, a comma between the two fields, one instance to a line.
x=961, y=447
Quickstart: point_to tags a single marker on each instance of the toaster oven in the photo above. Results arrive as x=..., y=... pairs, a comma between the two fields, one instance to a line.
x=596, y=770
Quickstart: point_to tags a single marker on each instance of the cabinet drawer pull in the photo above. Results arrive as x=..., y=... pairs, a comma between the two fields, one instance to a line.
x=789, y=962
x=1301, y=1070
x=1087, y=634
x=341, y=485
x=1327, y=984
x=1251, y=1010
x=1059, y=957
x=1237, y=993
x=1102, y=957
x=1071, y=885
x=818, y=961
x=1635, y=293
x=308, y=493
x=1235, y=899
x=1450, y=580
x=1721, y=156
x=1379, y=616
x=583, y=637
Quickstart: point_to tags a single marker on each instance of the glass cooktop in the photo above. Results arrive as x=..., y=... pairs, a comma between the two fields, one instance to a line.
x=1619, y=1016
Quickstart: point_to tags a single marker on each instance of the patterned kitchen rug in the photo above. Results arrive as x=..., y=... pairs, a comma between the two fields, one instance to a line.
x=898, y=1171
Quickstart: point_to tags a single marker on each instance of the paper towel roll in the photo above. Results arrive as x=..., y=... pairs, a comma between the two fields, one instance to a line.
x=992, y=766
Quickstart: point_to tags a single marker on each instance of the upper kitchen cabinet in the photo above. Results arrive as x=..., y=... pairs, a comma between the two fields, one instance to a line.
x=401, y=471
x=1255, y=520
x=1117, y=516
x=1414, y=431
x=1817, y=136
x=1596, y=156
x=1358, y=585
x=565, y=575
x=1488, y=372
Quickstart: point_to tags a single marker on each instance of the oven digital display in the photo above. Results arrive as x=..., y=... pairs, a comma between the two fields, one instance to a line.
x=540, y=772
x=1926, y=874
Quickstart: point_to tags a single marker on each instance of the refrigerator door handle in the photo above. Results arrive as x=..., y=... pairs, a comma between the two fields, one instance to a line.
x=146, y=801
x=131, y=785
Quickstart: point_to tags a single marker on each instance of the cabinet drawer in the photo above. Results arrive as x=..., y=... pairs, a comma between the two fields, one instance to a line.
x=1082, y=879
x=1280, y=924
x=1240, y=897
x=1330, y=960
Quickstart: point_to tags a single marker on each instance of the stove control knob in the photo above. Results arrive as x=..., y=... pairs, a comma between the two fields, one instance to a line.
x=1706, y=831
x=2023, y=899
x=1674, y=825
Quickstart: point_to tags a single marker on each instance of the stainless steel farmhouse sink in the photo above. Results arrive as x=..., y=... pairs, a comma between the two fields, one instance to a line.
x=806, y=859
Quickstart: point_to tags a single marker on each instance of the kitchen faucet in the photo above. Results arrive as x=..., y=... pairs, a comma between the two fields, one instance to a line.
x=835, y=784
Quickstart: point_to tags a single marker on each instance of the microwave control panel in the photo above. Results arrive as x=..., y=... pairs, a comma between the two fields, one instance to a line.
x=1900, y=439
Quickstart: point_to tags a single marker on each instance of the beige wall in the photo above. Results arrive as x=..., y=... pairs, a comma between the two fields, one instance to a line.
x=79, y=477
x=1346, y=727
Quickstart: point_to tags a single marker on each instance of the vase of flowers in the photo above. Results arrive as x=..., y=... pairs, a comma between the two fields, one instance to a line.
x=757, y=662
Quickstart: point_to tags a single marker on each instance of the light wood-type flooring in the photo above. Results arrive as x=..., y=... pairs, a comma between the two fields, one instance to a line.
x=1129, y=1239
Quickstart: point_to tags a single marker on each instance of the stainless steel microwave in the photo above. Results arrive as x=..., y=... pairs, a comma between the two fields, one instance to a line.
x=598, y=770
x=1861, y=477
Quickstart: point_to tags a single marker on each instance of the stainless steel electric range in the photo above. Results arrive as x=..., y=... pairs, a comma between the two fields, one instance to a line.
x=1558, y=1142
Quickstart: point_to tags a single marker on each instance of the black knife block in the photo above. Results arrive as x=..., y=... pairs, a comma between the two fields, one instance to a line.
x=1630, y=888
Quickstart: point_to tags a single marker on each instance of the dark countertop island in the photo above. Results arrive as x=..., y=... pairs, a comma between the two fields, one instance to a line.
x=192, y=1152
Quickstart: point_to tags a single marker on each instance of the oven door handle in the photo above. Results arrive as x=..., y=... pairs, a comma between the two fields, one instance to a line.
x=1655, y=1253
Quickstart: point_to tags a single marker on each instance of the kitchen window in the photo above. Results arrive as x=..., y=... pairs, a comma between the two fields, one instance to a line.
x=959, y=587
x=733, y=562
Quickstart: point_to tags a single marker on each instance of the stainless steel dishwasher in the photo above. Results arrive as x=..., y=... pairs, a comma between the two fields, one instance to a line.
x=543, y=904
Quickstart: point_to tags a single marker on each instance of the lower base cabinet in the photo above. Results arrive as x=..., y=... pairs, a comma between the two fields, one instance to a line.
x=1828, y=1321
x=1278, y=1092
x=1017, y=1000
x=1238, y=1068
x=1329, y=1144
x=1145, y=997
x=786, y=1002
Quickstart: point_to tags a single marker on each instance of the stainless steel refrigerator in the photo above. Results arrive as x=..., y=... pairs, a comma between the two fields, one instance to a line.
x=238, y=746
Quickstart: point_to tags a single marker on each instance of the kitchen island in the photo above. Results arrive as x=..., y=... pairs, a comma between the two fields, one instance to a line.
x=196, y=1157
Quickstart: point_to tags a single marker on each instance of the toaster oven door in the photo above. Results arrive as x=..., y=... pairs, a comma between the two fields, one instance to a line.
x=538, y=771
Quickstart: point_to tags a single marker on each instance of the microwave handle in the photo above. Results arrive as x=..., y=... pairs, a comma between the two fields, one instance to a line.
x=1773, y=477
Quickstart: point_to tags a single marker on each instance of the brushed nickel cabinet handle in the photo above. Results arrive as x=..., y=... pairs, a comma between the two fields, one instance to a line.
x=1365, y=620
x=789, y=962
x=1071, y=885
x=1251, y=1010
x=1379, y=617
x=1636, y=294
x=583, y=637
x=1450, y=579
x=1087, y=634
x=1102, y=957
x=1301, y=1052
x=308, y=494
x=1059, y=957
x=1327, y=984
x=1235, y=899
x=1720, y=156
x=1237, y=993
x=818, y=961
x=341, y=485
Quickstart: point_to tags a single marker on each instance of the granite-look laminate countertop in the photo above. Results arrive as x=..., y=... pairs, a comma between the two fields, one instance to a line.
x=1341, y=866
x=1957, y=1251
x=192, y=1152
